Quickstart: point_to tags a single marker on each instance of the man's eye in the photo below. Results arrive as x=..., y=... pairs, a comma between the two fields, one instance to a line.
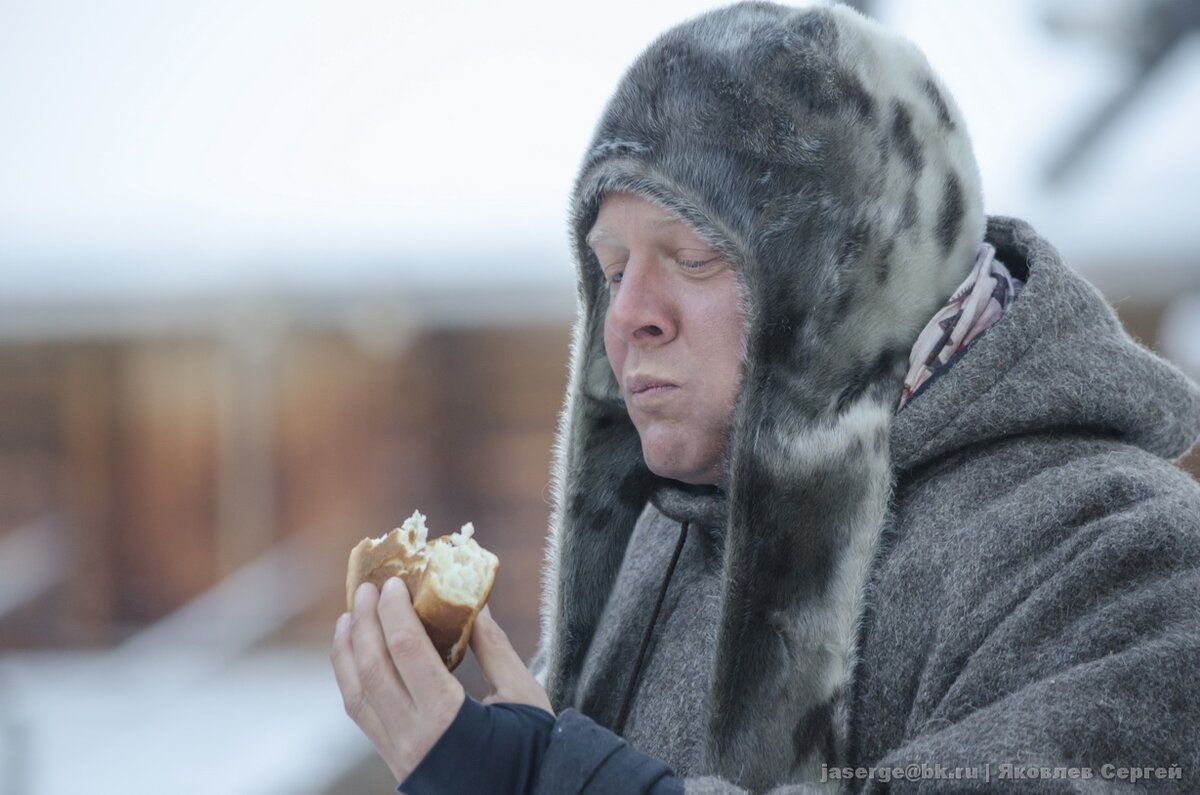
x=691, y=263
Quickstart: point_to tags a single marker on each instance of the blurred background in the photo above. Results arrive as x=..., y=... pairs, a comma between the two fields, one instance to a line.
x=275, y=274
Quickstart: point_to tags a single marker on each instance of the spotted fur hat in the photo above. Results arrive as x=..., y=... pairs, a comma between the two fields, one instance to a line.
x=822, y=155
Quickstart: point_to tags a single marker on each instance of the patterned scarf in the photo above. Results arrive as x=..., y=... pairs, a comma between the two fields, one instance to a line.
x=978, y=302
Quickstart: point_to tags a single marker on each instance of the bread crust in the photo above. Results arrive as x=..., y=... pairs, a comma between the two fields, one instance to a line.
x=375, y=560
x=398, y=554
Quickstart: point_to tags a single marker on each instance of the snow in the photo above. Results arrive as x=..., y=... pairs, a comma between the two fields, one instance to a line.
x=270, y=722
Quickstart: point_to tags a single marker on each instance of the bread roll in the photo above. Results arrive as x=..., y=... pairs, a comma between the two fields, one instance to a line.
x=449, y=578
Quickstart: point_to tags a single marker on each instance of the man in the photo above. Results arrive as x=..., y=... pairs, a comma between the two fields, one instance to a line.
x=855, y=487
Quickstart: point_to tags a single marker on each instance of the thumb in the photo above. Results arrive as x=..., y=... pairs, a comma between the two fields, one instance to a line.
x=500, y=663
x=498, y=659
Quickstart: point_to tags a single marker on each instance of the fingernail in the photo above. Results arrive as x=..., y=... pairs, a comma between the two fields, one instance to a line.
x=486, y=611
x=361, y=594
x=342, y=622
x=392, y=584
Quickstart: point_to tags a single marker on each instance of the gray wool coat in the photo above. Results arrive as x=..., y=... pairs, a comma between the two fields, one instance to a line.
x=1002, y=573
x=1034, y=606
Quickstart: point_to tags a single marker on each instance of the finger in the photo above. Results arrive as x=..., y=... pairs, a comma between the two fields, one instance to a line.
x=384, y=688
x=498, y=659
x=510, y=679
x=345, y=672
x=412, y=652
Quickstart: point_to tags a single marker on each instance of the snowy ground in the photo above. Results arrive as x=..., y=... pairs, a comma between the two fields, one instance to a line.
x=269, y=722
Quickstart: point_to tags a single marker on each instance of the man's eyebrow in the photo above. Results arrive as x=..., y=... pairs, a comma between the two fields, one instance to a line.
x=600, y=234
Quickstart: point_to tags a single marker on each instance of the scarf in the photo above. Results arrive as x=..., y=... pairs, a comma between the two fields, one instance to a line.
x=982, y=299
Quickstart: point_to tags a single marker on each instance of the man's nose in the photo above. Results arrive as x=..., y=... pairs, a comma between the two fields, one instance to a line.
x=639, y=308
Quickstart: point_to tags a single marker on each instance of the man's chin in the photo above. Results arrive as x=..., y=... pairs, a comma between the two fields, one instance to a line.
x=675, y=469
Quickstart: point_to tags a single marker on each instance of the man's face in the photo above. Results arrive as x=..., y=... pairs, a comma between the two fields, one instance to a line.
x=673, y=334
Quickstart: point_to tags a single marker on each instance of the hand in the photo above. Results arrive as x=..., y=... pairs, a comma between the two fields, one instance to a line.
x=394, y=684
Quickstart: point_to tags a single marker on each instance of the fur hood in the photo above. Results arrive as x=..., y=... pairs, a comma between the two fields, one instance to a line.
x=824, y=158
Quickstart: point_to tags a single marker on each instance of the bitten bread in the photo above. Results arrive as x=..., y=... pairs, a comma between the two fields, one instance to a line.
x=449, y=577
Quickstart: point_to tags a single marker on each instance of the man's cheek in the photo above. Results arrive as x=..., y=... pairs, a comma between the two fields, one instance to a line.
x=612, y=350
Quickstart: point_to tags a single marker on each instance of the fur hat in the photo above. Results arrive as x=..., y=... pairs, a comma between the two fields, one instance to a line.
x=823, y=157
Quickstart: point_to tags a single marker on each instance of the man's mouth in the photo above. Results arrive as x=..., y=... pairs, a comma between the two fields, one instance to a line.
x=649, y=385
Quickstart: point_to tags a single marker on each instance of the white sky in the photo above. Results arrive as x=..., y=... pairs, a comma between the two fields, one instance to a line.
x=167, y=147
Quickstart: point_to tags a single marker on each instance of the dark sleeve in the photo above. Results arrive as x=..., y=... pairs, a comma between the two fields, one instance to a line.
x=519, y=749
x=494, y=748
x=585, y=758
